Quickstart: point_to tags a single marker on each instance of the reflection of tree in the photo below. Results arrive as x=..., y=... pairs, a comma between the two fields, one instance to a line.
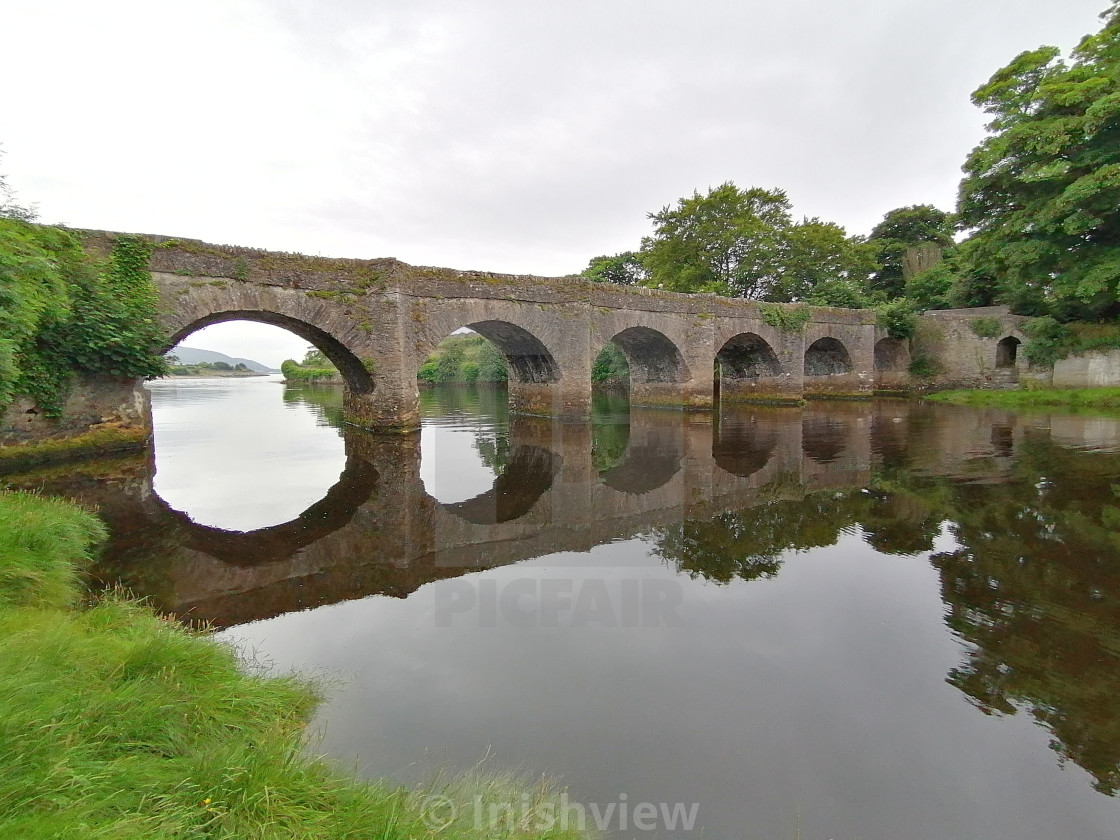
x=608, y=445
x=325, y=401
x=492, y=446
x=748, y=544
x=1035, y=587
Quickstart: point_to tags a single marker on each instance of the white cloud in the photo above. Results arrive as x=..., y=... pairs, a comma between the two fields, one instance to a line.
x=512, y=136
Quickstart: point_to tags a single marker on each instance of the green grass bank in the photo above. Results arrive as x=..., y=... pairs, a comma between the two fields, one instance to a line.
x=118, y=723
x=1098, y=398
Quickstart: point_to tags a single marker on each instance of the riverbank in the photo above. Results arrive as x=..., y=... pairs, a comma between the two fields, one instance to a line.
x=1104, y=398
x=120, y=723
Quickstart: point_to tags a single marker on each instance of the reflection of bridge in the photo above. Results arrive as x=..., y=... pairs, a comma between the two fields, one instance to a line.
x=378, y=531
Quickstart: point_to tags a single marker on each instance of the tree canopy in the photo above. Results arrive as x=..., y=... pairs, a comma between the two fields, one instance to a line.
x=744, y=243
x=1041, y=194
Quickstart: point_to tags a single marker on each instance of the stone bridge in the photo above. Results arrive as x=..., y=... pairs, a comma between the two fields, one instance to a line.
x=378, y=320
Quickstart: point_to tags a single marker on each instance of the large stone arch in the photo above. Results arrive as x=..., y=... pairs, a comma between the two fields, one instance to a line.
x=652, y=356
x=657, y=366
x=528, y=359
x=749, y=368
x=354, y=372
x=360, y=352
x=530, y=340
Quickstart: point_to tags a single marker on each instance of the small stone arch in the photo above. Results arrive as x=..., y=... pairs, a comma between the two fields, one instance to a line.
x=748, y=356
x=827, y=357
x=1007, y=352
x=652, y=356
x=891, y=355
x=354, y=373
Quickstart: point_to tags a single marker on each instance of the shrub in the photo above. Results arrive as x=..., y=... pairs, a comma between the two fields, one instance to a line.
x=987, y=327
x=786, y=319
x=1048, y=341
x=898, y=318
x=924, y=366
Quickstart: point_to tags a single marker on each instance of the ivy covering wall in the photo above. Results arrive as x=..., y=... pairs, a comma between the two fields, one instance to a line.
x=64, y=311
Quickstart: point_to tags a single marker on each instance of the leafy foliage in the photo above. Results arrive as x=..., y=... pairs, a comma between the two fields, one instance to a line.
x=1042, y=191
x=898, y=318
x=1047, y=341
x=624, y=269
x=903, y=228
x=986, y=327
x=465, y=359
x=610, y=365
x=787, y=319
x=65, y=312
x=924, y=366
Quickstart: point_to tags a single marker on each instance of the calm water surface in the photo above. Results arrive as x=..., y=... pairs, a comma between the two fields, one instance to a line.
x=876, y=620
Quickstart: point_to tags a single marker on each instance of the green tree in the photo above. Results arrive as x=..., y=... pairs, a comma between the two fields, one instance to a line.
x=624, y=269
x=901, y=229
x=821, y=264
x=730, y=241
x=9, y=208
x=315, y=358
x=1042, y=192
x=610, y=365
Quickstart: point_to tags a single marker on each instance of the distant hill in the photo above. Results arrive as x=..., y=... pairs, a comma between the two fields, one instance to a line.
x=194, y=356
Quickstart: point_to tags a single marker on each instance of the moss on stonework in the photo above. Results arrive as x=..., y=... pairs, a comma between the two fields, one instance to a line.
x=92, y=444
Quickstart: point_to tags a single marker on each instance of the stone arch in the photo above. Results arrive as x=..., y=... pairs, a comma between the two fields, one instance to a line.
x=1007, y=352
x=748, y=356
x=891, y=355
x=827, y=357
x=526, y=356
x=652, y=356
x=355, y=374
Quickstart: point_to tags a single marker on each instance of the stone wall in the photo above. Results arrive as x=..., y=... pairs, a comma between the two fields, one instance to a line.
x=1090, y=370
x=962, y=358
x=101, y=415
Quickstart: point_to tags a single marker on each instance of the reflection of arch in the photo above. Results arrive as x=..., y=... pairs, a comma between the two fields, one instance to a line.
x=644, y=467
x=748, y=356
x=528, y=359
x=527, y=477
x=278, y=542
x=823, y=439
x=827, y=357
x=741, y=447
x=354, y=373
x=1007, y=351
x=891, y=356
x=652, y=356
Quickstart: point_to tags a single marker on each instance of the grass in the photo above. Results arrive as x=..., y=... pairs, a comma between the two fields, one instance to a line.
x=1106, y=398
x=117, y=723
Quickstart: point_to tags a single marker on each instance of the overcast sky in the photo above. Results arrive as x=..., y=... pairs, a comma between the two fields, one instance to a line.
x=516, y=136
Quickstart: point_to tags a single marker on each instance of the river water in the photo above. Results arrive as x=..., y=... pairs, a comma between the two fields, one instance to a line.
x=854, y=620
